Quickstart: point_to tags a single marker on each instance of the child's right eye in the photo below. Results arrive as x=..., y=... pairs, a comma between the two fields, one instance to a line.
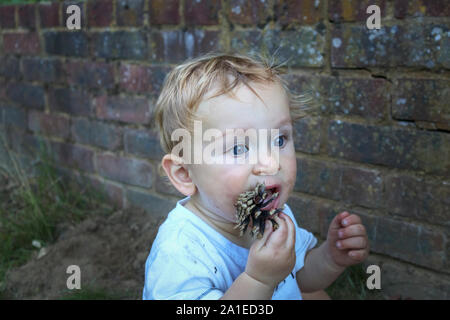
x=239, y=149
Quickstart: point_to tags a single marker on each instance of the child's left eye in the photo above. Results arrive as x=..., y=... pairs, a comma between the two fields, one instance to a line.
x=280, y=141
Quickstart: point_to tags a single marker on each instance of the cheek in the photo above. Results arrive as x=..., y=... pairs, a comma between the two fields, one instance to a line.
x=290, y=170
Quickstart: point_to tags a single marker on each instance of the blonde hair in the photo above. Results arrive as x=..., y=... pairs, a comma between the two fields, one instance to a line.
x=187, y=84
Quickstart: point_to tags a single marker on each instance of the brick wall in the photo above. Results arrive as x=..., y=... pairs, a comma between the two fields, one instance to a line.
x=379, y=148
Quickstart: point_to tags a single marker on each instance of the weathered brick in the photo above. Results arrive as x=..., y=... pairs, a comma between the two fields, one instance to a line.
x=66, y=43
x=90, y=74
x=326, y=179
x=130, y=13
x=73, y=156
x=418, y=44
x=307, y=135
x=7, y=17
x=113, y=192
x=9, y=67
x=42, y=70
x=158, y=207
x=176, y=46
x=143, y=143
x=71, y=101
x=254, y=12
x=346, y=11
x=421, y=100
x=420, y=8
x=302, y=48
x=368, y=98
x=390, y=146
x=126, y=170
x=49, y=14
x=164, y=12
x=409, y=242
x=120, y=45
x=198, y=12
x=49, y=124
x=26, y=95
x=418, y=198
x=405, y=281
x=13, y=116
x=125, y=109
x=307, y=212
x=96, y=133
x=27, y=16
x=21, y=43
x=142, y=79
x=303, y=12
x=100, y=13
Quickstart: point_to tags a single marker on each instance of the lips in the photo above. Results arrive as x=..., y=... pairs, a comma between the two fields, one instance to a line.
x=271, y=189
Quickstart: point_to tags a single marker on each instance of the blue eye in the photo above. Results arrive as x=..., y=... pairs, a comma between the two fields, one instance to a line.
x=279, y=142
x=239, y=149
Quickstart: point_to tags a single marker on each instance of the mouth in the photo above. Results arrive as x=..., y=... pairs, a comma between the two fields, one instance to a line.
x=273, y=197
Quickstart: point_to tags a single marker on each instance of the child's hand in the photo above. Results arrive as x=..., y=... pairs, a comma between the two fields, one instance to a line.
x=347, y=240
x=272, y=257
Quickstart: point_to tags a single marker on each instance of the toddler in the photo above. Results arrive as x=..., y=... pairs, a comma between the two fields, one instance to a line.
x=198, y=253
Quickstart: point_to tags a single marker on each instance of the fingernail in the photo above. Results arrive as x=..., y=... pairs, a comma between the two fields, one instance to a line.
x=338, y=244
x=344, y=222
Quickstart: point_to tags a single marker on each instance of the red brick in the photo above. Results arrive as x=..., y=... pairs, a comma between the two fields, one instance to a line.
x=253, y=12
x=124, y=109
x=7, y=17
x=10, y=67
x=26, y=95
x=70, y=101
x=164, y=12
x=347, y=11
x=303, y=12
x=307, y=212
x=49, y=14
x=421, y=100
x=420, y=8
x=130, y=12
x=143, y=143
x=43, y=70
x=90, y=74
x=27, y=16
x=21, y=43
x=96, y=133
x=73, y=156
x=112, y=192
x=126, y=170
x=201, y=12
x=49, y=124
x=142, y=79
x=100, y=13
x=418, y=198
x=307, y=135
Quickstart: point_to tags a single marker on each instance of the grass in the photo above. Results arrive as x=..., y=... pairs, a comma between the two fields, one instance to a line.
x=93, y=293
x=351, y=285
x=33, y=207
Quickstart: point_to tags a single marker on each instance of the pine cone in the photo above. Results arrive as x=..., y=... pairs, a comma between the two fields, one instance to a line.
x=248, y=209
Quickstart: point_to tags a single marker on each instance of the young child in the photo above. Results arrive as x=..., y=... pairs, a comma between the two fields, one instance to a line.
x=198, y=253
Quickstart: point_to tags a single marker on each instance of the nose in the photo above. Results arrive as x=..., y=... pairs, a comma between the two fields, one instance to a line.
x=267, y=164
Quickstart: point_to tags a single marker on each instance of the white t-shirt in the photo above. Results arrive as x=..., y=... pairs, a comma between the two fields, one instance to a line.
x=189, y=260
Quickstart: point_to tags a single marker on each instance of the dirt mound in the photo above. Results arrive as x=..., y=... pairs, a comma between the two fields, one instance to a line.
x=110, y=251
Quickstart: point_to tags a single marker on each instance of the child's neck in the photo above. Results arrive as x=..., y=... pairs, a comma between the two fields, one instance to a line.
x=224, y=228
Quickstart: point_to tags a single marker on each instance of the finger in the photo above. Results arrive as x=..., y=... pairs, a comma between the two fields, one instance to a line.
x=358, y=255
x=351, y=219
x=352, y=243
x=336, y=223
x=278, y=237
x=290, y=239
x=267, y=232
x=352, y=231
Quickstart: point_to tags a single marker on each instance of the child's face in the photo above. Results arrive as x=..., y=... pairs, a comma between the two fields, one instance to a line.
x=218, y=185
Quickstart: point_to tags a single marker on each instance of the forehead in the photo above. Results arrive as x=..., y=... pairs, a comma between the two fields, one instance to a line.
x=245, y=109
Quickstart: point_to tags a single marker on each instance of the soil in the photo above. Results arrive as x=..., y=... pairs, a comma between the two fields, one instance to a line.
x=110, y=250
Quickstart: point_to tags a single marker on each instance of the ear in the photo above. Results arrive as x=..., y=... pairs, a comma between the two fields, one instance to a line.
x=178, y=174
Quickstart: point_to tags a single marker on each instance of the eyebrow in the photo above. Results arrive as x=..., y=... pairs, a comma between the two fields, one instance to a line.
x=284, y=122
